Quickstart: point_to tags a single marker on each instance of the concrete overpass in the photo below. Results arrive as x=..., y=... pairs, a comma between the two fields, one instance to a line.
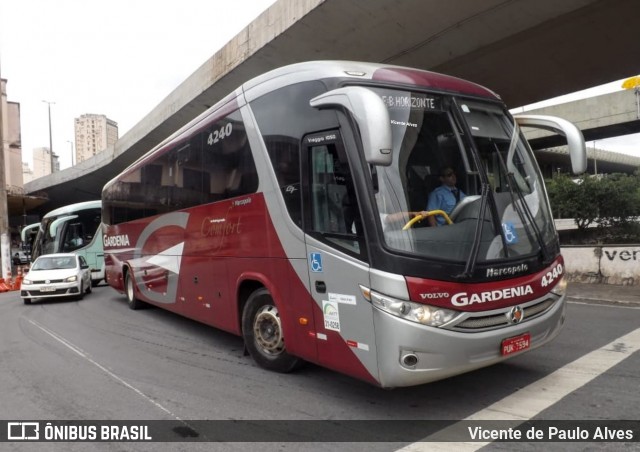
x=526, y=51
x=605, y=116
x=609, y=115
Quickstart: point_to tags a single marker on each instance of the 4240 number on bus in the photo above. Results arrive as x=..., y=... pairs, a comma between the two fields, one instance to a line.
x=552, y=275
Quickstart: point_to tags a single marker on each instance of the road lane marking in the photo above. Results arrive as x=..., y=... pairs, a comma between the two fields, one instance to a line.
x=120, y=380
x=529, y=401
x=608, y=304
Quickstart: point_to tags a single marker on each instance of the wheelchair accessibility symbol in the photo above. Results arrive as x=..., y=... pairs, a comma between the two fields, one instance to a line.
x=315, y=262
x=510, y=233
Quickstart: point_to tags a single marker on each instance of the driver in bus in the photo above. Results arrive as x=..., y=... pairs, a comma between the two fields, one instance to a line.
x=445, y=197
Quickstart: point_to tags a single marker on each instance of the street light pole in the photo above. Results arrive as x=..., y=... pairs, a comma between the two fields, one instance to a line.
x=5, y=240
x=71, y=143
x=50, y=138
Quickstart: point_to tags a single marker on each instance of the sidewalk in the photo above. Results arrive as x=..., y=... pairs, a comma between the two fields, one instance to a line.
x=608, y=293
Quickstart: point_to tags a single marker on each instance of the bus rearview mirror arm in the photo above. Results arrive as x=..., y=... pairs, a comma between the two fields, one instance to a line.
x=371, y=115
x=575, y=140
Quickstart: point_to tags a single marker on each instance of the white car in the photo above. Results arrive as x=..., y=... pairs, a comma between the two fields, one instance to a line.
x=56, y=275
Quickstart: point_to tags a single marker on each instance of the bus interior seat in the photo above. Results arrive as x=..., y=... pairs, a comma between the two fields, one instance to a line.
x=234, y=181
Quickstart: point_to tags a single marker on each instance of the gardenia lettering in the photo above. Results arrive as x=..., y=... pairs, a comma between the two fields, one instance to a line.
x=116, y=240
x=464, y=299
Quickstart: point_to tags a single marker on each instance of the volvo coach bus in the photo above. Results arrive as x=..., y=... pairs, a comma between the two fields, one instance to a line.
x=75, y=228
x=268, y=216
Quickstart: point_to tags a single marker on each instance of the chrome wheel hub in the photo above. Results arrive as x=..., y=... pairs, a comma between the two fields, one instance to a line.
x=267, y=331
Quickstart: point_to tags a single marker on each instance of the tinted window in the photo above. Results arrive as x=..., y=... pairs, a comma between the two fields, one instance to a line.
x=284, y=116
x=333, y=215
x=213, y=164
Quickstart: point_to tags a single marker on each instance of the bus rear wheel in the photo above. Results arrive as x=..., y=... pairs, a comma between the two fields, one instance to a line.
x=262, y=333
x=130, y=292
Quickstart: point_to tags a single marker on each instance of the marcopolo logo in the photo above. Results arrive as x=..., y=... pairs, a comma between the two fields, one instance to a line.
x=507, y=271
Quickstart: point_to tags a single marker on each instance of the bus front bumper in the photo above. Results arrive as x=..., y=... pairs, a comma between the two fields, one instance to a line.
x=411, y=354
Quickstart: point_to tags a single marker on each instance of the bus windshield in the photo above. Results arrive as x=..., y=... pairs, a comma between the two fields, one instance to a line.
x=465, y=167
x=66, y=232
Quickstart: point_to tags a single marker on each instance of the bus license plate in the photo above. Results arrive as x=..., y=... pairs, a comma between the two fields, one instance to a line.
x=516, y=344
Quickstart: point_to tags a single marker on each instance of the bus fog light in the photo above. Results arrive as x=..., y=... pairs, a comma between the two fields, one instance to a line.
x=410, y=360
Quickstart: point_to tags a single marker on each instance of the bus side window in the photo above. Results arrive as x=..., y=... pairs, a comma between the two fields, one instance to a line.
x=73, y=238
x=328, y=191
x=334, y=211
x=227, y=160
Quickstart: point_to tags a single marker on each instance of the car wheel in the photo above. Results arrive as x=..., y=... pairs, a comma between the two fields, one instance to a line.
x=26, y=300
x=89, y=288
x=81, y=293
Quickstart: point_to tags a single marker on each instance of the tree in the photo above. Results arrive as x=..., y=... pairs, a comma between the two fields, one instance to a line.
x=609, y=201
x=619, y=199
x=574, y=199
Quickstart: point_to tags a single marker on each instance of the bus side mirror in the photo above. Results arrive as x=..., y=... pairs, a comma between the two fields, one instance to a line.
x=371, y=115
x=575, y=140
x=55, y=224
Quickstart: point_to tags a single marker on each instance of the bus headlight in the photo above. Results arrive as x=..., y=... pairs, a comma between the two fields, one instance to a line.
x=561, y=288
x=415, y=312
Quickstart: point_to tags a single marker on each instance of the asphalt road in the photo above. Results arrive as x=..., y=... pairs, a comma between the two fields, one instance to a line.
x=96, y=359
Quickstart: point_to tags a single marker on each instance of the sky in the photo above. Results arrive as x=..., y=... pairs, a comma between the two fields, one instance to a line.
x=121, y=58
x=118, y=58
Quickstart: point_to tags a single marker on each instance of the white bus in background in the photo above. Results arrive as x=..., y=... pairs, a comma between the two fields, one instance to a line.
x=76, y=228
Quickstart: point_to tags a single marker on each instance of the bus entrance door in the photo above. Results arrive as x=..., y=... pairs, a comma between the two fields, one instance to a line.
x=344, y=319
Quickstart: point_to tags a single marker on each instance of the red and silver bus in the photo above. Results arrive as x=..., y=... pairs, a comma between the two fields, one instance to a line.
x=267, y=216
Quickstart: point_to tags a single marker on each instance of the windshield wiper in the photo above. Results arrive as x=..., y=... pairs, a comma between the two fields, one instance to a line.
x=473, y=255
x=521, y=204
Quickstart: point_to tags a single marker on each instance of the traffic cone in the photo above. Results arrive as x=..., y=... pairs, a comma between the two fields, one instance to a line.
x=3, y=286
x=18, y=282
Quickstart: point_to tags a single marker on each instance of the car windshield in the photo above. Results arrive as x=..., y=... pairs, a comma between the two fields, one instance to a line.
x=54, y=263
x=468, y=165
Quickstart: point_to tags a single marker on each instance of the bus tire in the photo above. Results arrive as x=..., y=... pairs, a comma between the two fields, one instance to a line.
x=262, y=333
x=130, y=292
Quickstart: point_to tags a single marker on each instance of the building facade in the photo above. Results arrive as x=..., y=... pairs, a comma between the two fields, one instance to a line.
x=11, y=145
x=42, y=162
x=94, y=134
x=27, y=173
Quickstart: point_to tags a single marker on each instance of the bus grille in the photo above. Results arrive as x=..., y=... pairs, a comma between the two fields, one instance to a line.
x=479, y=322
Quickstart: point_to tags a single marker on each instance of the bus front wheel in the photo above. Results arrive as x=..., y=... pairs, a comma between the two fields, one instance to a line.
x=130, y=292
x=262, y=333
